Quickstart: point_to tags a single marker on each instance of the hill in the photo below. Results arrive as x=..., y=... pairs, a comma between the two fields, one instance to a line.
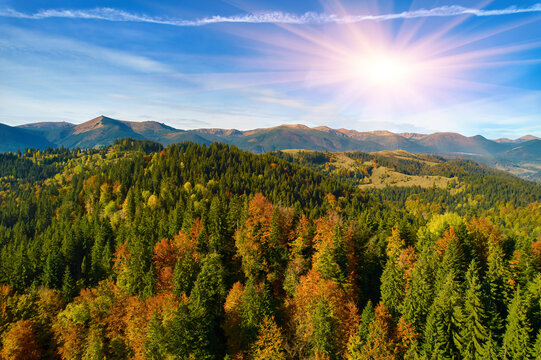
x=521, y=156
x=136, y=250
x=13, y=139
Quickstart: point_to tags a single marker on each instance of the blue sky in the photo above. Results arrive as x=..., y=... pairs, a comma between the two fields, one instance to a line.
x=407, y=66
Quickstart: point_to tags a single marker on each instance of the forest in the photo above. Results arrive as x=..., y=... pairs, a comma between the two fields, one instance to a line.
x=139, y=251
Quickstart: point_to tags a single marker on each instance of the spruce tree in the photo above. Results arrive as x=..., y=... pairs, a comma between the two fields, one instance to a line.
x=392, y=287
x=497, y=291
x=156, y=341
x=69, y=288
x=443, y=322
x=254, y=307
x=324, y=323
x=473, y=332
x=491, y=351
x=419, y=297
x=358, y=339
x=516, y=340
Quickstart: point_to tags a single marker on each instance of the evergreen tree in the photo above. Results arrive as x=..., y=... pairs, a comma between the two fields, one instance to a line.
x=516, y=340
x=497, y=291
x=491, y=351
x=358, y=339
x=69, y=288
x=52, y=273
x=536, y=349
x=443, y=322
x=392, y=287
x=206, y=308
x=418, y=298
x=185, y=273
x=254, y=307
x=473, y=332
x=323, y=341
x=156, y=340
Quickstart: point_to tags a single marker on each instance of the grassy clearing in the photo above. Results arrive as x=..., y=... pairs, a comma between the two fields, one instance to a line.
x=382, y=177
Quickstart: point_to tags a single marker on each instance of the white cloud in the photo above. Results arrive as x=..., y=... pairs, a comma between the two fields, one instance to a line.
x=18, y=39
x=271, y=17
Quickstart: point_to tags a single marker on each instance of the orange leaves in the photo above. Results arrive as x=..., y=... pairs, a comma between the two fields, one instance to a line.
x=165, y=258
x=259, y=210
x=536, y=249
x=484, y=236
x=406, y=336
x=380, y=343
x=406, y=262
x=325, y=230
x=252, y=240
x=443, y=242
x=270, y=342
x=108, y=316
x=20, y=342
x=313, y=289
x=233, y=318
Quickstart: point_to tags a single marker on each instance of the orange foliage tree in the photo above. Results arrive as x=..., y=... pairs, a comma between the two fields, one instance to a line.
x=313, y=291
x=20, y=342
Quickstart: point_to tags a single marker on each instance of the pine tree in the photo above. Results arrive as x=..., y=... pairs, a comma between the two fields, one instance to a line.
x=491, y=350
x=206, y=307
x=185, y=273
x=323, y=341
x=52, y=273
x=536, y=349
x=516, y=340
x=443, y=322
x=392, y=287
x=473, y=332
x=218, y=228
x=381, y=343
x=254, y=307
x=156, y=341
x=497, y=291
x=69, y=288
x=419, y=296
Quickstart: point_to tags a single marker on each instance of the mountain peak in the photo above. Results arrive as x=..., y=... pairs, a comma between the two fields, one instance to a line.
x=529, y=137
x=293, y=126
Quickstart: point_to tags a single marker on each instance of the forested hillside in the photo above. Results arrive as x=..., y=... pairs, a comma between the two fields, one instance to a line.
x=520, y=156
x=136, y=251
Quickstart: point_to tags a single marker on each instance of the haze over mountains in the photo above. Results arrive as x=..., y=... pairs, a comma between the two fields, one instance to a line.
x=520, y=156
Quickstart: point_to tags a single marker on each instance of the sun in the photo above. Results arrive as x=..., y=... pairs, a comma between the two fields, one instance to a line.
x=385, y=71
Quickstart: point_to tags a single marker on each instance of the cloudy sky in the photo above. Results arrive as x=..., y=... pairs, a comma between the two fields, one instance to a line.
x=419, y=66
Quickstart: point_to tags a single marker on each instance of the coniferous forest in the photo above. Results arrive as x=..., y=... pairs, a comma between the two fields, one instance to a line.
x=136, y=251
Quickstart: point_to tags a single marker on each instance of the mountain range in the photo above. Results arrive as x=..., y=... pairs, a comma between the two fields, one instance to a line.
x=520, y=156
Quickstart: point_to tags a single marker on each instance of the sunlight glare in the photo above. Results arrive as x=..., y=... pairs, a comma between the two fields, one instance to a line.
x=385, y=71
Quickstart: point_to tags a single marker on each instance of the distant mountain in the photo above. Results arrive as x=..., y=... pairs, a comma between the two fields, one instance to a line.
x=102, y=131
x=517, y=141
x=52, y=131
x=525, y=150
x=452, y=143
x=13, y=139
x=293, y=136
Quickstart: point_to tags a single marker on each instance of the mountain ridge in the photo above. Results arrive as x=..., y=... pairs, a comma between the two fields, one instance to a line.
x=102, y=130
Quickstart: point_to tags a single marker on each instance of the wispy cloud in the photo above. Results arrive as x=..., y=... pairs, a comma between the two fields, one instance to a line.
x=272, y=17
x=28, y=41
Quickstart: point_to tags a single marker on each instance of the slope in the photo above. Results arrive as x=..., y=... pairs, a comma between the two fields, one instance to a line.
x=14, y=138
